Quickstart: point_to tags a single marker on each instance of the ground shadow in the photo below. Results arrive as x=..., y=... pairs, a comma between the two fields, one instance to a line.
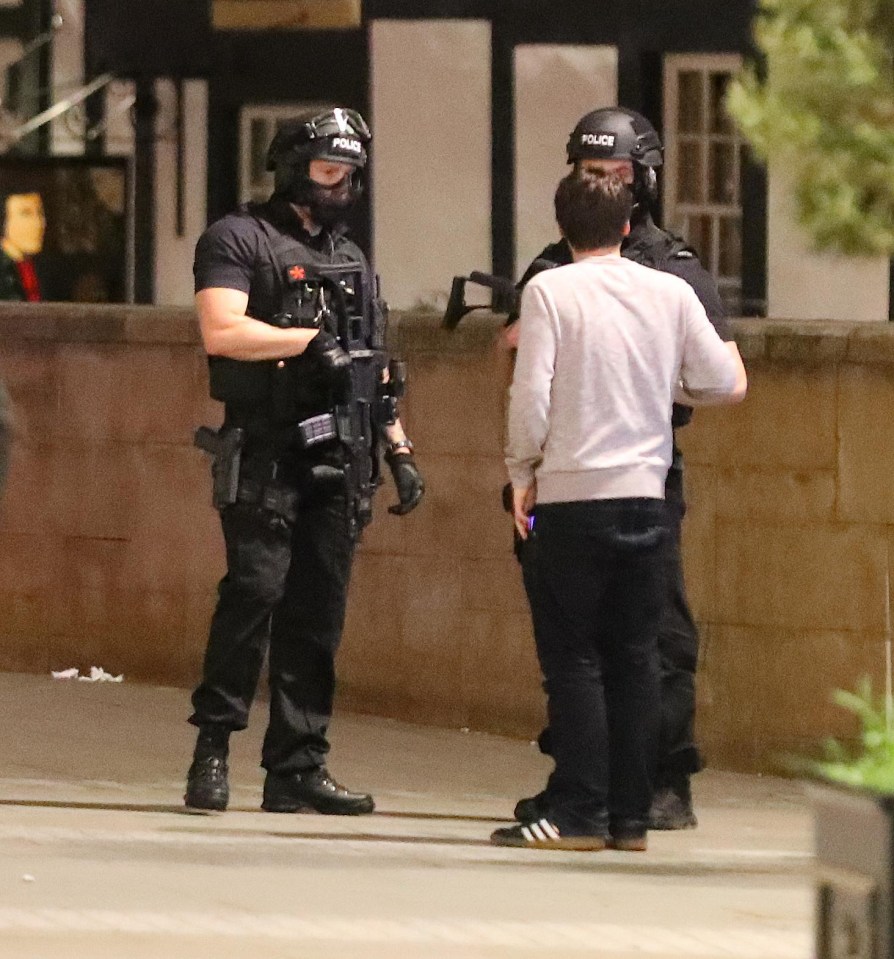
x=181, y=810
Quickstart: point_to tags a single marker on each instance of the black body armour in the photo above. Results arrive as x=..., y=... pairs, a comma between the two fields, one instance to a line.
x=287, y=407
x=647, y=245
x=651, y=246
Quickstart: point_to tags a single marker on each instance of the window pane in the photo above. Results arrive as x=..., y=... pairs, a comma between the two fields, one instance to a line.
x=720, y=121
x=699, y=230
x=691, y=105
x=690, y=173
x=730, y=246
x=722, y=184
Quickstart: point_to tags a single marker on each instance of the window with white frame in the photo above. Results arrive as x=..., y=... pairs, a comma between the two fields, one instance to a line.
x=703, y=163
x=257, y=125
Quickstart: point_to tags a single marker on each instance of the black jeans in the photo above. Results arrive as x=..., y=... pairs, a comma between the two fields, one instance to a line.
x=286, y=588
x=678, y=642
x=600, y=592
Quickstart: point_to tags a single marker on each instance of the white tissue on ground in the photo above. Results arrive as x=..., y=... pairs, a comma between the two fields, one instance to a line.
x=97, y=675
x=65, y=673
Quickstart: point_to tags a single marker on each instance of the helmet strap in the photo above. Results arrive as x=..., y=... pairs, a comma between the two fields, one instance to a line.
x=644, y=188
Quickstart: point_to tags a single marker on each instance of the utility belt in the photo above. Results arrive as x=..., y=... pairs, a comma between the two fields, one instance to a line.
x=277, y=440
x=231, y=486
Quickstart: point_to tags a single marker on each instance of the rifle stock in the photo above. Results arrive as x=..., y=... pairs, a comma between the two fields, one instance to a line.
x=506, y=294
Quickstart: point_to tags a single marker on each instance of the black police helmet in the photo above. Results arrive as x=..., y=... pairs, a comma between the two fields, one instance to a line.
x=339, y=135
x=615, y=133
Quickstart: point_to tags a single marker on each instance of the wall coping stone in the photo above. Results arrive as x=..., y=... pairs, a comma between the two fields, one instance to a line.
x=798, y=342
x=99, y=323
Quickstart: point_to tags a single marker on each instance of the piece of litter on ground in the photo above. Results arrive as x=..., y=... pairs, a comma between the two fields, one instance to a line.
x=464, y=729
x=65, y=673
x=99, y=675
x=28, y=878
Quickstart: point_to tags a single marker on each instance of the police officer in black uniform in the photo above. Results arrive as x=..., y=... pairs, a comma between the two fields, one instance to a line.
x=294, y=331
x=618, y=140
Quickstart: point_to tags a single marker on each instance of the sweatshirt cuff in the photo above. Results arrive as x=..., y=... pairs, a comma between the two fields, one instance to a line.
x=521, y=477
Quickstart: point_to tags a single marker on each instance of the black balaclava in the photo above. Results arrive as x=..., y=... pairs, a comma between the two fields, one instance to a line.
x=339, y=135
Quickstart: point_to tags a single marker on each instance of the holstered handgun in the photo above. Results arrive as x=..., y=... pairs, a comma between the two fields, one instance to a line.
x=225, y=445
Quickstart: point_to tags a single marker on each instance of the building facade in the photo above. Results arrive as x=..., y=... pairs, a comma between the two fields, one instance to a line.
x=471, y=102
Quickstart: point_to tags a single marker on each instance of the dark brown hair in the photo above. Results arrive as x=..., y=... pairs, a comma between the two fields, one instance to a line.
x=592, y=209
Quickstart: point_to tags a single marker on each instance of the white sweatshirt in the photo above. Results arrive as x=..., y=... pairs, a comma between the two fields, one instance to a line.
x=602, y=345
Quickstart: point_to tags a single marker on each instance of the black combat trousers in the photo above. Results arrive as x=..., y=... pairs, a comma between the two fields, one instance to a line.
x=600, y=594
x=678, y=754
x=286, y=590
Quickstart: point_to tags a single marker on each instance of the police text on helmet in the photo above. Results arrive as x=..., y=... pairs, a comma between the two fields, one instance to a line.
x=598, y=139
x=343, y=143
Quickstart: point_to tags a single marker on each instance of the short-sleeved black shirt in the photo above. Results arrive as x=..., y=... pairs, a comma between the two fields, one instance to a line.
x=233, y=253
x=264, y=250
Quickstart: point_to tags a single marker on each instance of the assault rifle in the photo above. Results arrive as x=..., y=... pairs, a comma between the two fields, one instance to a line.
x=506, y=295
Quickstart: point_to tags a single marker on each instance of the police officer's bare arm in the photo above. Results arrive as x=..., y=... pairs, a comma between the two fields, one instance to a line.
x=227, y=330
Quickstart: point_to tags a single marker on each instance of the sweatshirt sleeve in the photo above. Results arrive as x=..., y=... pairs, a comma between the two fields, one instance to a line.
x=529, y=395
x=706, y=362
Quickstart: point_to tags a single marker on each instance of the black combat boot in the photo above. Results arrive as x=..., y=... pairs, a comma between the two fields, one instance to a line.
x=672, y=806
x=313, y=790
x=207, y=789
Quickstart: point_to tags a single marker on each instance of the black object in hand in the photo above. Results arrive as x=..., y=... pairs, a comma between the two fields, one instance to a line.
x=329, y=356
x=408, y=480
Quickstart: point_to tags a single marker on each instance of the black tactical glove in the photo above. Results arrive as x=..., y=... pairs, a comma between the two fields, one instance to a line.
x=407, y=479
x=330, y=358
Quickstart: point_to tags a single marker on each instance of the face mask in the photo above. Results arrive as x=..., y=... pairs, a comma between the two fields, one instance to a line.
x=329, y=205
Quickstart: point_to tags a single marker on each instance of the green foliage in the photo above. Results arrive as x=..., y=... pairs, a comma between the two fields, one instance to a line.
x=872, y=765
x=825, y=109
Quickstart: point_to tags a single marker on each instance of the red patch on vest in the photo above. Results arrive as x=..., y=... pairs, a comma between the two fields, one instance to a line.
x=297, y=273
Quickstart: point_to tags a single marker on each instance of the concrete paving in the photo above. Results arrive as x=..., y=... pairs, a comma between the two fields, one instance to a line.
x=98, y=860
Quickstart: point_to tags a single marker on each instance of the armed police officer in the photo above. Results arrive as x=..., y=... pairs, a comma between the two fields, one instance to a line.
x=294, y=331
x=621, y=141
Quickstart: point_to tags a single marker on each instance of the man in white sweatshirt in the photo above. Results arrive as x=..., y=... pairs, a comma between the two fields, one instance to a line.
x=605, y=347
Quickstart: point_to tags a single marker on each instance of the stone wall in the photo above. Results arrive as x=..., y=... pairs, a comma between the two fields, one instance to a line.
x=110, y=552
x=789, y=538
x=108, y=547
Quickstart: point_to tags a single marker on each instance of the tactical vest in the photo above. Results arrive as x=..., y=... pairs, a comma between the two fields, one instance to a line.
x=647, y=245
x=290, y=401
x=296, y=285
x=651, y=246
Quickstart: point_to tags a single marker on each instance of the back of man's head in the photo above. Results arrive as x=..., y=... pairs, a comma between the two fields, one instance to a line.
x=593, y=210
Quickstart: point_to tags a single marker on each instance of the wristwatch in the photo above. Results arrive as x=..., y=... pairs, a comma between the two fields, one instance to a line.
x=403, y=444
